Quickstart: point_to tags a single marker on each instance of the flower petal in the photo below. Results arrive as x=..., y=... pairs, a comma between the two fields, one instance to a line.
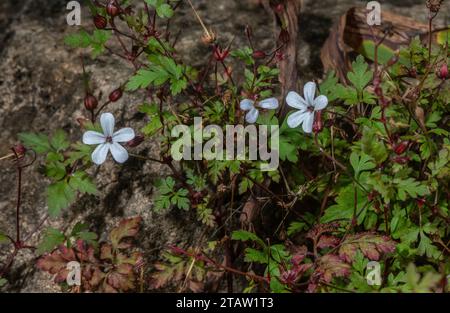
x=123, y=135
x=308, y=122
x=119, y=153
x=296, y=101
x=296, y=118
x=309, y=91
x=320, y=103
x=252, y=116
x=100, y=153
x=107, y=122
x=271, y=103
x=93, y=138
x=246, y=104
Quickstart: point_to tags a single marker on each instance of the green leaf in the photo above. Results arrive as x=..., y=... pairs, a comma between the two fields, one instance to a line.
x=345, y=205
x=361, y=162
x=144, y=78
x=3, y=238
x=98, y=41
x=164, y=10
x=257, y=256
x=360, y=76
x=81, y=182
x=243, y=235
x=59, y=196
x=55, y=170
x=295, y=227
x=79, y=40
x=59, y=140
x=52, y=239
x=2, y=282
x=410, y=187
x=38, y=142
x=245, y=54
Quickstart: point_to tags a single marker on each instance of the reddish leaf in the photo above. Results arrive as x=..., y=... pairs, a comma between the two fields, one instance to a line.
x=330, y=266
x=326, y=241
x=370, y=244
x=126, y=228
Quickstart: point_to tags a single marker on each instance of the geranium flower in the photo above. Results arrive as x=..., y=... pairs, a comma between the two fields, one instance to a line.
x=108, y=141
x=253, y=112
x=307, y=107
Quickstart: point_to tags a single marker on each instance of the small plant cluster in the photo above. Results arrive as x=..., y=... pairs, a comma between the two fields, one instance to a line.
x=364, y=165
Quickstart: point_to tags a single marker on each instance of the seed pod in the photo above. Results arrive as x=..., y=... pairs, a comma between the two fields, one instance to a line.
x=443, y=72
x=115, y=95
x=100, y=22
x=258, y=54
x=90, y=102
x=112, y=8
x=401, y=147
x=136, y=141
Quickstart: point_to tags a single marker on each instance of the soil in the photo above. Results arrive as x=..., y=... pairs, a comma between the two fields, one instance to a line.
x=41, y=90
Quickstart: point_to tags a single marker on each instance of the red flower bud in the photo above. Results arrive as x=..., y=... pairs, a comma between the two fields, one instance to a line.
x=100, y=22
x=90, y=102
x=19, y=150
x=420, y=202
x=279, y=8
x=318, y=124
x=115, y=95
x=258, y=54
x=443, y=72
x=401, y=147
x=112, y=8
x=136, y=141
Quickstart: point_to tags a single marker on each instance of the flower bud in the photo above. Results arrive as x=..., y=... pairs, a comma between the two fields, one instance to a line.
x=420, y=202
x=100, y=22
x=19, y=150
x=278, y=8
x=115, y=95
x=318, y=124
x=443, y=72
x=401, y=147
x=90, y=102
x=258, y=54
x=136, y=141
x=112, y=8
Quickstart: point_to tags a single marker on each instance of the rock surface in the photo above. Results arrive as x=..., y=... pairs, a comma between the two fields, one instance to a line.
x=41, y=90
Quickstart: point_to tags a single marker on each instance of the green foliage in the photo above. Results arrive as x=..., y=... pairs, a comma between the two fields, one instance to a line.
x=83, y=39
x=162, y=9
x=163, y=69
x=169, y=196
x=66, y=181
x=51, y=240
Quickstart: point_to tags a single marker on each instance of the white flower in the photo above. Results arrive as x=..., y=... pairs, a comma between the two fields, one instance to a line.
x=109, y=140
x=306, y=106
x=253, y=112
